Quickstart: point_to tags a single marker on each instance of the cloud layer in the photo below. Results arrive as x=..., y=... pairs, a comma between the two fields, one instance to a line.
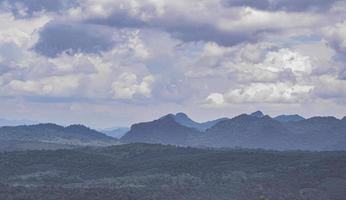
x=193, y=55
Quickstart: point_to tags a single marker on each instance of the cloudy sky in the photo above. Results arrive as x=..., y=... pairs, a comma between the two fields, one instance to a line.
x=110, y=63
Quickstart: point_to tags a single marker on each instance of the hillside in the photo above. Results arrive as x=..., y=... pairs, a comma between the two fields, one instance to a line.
x=248, y=131
x=50, y=136
x=145, y=171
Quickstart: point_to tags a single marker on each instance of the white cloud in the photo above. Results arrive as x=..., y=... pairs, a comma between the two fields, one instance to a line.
x=321, y=57
x=255, y=20
x=269, y=93
x=92, y=76
x=286, y=59
x=21, y=32
x=216, y=99
x=128, y=85
x=51, y=86
x=330, y=87
x=336, y=35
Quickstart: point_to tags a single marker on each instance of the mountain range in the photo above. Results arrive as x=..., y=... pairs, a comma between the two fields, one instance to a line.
x=256, y=130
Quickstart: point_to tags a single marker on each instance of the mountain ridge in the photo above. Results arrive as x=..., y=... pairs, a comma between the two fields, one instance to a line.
x=255, y=130
x=185, y=120
x=289, y=118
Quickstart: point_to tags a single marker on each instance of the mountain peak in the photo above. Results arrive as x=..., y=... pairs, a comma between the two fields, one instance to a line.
x=258, y=114
x=181, y=115
x=244, y=117
x=184, y=119
x=77, y=127
x=168, y=116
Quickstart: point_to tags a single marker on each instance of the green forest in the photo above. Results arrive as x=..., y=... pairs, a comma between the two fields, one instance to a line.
x=153, y=171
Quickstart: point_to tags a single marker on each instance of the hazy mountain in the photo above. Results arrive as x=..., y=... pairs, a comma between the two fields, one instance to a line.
x=250, y=131
x=49, y=136
x=115, y=132
x=184, y=120
x=257, y=114
x=165, y=130
x=319, y=133
x=289, y=118
x=153, y=172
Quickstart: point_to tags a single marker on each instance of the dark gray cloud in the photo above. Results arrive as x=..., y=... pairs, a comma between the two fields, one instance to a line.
x=284, y=5
x=56, y=38
x=4, y=69
x=187, y=27
x=118, y=19
x=258, y=4
x=32, y=6
x=202, y=32
x=184, y=30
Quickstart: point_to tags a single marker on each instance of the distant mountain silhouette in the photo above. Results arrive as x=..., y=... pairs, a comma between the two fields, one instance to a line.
x=115, y=132
x=184, y=120
x=165, y=130
x=257, y=114
x=289, y=118
x=248, y=131
x=322, y=133
x=47, y=136
x=256, y=130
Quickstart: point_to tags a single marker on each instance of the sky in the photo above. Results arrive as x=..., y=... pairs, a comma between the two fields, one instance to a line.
x=108, y=63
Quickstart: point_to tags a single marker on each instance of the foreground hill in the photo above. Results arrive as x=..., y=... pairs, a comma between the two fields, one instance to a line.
x=50, y=136
x=146, y=171
x=286, y=132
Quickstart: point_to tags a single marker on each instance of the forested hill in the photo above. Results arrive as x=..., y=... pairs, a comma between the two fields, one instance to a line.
x=148, y=171
x=50, y=136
